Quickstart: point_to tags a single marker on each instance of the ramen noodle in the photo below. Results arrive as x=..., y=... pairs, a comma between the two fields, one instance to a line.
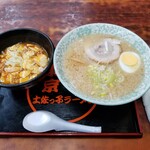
x=103, y=66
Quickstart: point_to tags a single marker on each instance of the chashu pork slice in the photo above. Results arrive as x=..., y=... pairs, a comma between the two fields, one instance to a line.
x=105, y=52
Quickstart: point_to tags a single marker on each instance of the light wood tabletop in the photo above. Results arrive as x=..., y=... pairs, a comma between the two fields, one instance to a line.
x=57, y=17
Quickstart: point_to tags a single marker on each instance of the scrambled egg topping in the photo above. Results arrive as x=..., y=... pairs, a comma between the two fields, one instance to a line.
x=22, y=62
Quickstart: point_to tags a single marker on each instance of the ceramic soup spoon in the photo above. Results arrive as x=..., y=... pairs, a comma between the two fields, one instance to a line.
x=42, y=121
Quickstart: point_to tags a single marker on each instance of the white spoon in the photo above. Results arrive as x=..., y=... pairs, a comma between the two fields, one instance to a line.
x=42, y=121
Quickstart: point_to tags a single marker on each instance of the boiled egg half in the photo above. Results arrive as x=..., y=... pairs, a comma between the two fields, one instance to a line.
x=129, y=61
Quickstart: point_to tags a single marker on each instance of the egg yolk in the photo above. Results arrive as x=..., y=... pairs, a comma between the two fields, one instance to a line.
x=129, y=59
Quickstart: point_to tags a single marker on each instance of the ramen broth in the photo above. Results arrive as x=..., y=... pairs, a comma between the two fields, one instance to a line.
x=84, y=72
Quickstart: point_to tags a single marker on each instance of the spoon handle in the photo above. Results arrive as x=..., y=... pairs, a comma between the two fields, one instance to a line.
x=68, y=126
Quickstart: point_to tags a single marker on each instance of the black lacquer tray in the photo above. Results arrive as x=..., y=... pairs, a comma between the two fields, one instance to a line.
x=116, y=121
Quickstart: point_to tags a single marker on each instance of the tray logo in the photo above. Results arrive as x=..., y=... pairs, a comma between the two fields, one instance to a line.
x=51, y=92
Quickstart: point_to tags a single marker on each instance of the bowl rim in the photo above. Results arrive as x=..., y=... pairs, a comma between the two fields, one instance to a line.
x=80, y=95
x=24, y=84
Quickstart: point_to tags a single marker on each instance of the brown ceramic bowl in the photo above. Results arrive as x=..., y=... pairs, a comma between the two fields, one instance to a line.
x=15, y=36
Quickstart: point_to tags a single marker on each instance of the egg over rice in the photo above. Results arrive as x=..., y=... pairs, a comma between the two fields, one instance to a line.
x=22, y=62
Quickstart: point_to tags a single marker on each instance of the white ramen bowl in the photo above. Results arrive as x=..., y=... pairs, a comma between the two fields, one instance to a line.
x=103, y=28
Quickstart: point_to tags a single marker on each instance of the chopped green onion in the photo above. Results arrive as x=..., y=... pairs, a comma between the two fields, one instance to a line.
x=103, y=78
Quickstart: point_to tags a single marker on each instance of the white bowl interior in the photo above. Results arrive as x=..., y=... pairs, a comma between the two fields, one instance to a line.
x=110, y=29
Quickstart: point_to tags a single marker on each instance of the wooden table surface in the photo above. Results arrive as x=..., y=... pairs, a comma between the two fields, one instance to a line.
x=57, y=17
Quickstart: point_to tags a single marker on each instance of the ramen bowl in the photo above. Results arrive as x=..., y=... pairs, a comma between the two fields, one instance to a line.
x=103, y=29
x=27, y=35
